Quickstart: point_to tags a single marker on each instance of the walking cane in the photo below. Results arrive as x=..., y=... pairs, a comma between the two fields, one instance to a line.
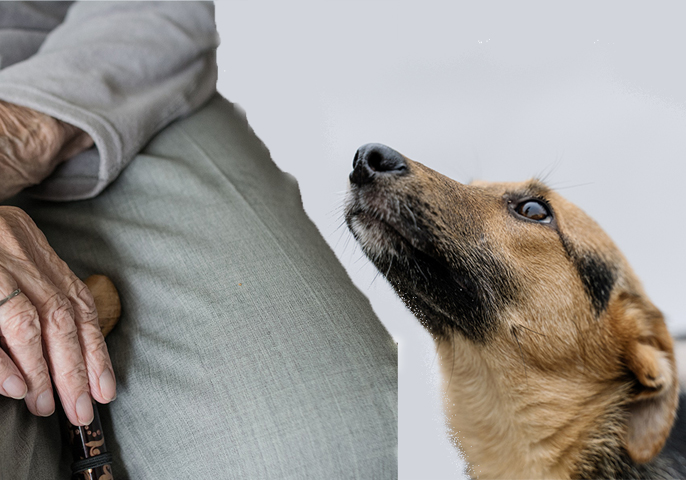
x=92, y=461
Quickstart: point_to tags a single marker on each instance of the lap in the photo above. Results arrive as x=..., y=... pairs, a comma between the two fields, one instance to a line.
x=244, y=351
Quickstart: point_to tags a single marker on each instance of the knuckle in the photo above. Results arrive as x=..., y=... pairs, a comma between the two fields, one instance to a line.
x=36, y=374
x=75, y=375
x=94, y=347
x=60, y=317
x=96, y=350
x=82, y=298
x=94, y=339
x=22, y=327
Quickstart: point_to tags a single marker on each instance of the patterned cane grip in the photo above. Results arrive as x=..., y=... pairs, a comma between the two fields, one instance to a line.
x=92, y=461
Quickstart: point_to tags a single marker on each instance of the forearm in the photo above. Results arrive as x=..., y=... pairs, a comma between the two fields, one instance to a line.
x=120, y=71
x=32, y=144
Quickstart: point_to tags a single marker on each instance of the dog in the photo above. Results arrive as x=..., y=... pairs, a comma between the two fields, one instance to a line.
x=555, y=362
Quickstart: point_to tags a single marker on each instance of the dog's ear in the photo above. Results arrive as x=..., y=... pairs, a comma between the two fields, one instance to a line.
x=649, y=355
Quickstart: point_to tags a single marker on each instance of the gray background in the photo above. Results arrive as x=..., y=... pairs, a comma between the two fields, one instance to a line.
x=592, y=94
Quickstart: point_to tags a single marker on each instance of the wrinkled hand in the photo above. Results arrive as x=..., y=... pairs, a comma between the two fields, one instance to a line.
x=32, y=144
x=50, y=330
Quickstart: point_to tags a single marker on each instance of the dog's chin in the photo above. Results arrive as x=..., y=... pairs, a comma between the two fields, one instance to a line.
x=379, y=241
x=384, y=226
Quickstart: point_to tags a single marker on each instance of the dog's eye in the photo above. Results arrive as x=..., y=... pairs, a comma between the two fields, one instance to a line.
x=534, y=210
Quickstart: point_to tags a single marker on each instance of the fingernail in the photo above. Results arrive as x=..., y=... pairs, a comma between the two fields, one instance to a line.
x=45, y=404
x=84, y=409
x=15, y=387
x=107, y=385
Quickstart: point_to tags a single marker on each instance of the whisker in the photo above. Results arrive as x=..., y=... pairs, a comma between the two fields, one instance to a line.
x=548, y=171
x=340, y=236
x=532, y=331
x=390, y=264
x=347, y=242
x=574, y=186
x=414, y=219
x=420, y=270
x=341, y=224
x=376, y=275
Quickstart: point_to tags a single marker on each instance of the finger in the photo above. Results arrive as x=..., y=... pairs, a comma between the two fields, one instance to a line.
x=93, y=347
x=62, y=348
x=20, y=327
x=11, y=382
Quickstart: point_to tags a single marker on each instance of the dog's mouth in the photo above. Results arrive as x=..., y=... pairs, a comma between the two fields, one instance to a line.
x=386, y=225
x=384, y=237
x=397, y=239
x=388, y=240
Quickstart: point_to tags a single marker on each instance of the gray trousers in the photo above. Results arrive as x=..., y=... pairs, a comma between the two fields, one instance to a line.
x=244, y=350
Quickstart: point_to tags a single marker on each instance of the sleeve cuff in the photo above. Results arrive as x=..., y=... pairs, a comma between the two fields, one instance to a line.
x=87, y=174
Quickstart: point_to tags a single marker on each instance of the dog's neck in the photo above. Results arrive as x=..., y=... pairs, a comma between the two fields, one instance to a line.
x=513, y=423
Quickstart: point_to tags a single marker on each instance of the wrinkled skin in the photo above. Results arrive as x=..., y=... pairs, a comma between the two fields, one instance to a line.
x=50, y=330
x=32, y=144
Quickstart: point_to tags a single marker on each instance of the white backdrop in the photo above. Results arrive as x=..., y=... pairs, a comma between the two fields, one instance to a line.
x=592, y=93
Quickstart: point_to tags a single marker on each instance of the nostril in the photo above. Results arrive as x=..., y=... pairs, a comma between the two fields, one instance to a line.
x=381, y=158
x=374, y=159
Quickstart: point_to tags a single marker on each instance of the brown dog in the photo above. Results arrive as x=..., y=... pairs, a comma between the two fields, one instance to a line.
x=555, y=363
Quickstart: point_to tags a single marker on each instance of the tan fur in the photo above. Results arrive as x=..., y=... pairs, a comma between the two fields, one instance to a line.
x=539, y=422
x=558, y=384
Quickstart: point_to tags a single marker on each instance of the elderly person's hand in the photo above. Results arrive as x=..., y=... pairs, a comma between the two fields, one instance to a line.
x=50, y=329
x=32, y=144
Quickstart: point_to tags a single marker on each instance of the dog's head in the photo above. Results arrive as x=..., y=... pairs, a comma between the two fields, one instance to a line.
x=517, y=266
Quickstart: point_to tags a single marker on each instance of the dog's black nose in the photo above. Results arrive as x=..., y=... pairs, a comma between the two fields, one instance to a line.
x=373, y=160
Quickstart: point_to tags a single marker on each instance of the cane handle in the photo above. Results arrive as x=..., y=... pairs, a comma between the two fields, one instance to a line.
x=106, y=301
